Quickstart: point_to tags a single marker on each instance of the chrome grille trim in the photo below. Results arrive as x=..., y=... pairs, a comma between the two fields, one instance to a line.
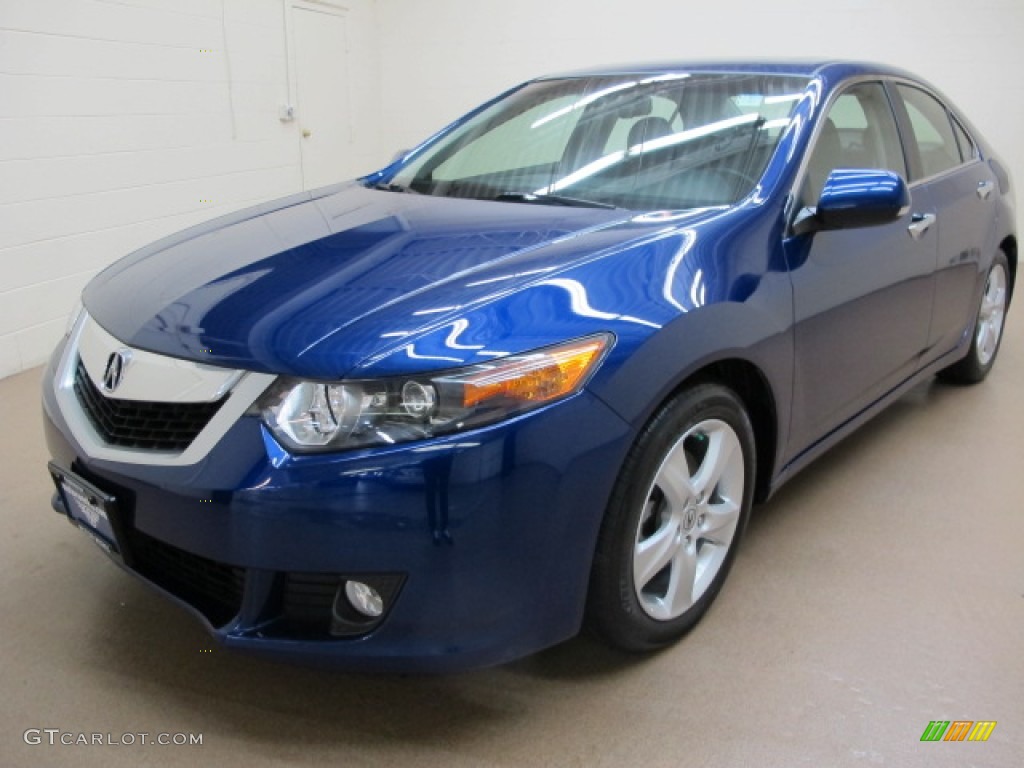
x=201, y=381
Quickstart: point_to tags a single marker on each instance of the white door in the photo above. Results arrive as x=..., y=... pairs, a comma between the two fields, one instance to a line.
x=322, y=83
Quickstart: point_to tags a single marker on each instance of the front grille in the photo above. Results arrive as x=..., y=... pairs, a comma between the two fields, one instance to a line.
x=214, y=589
x=142, y=423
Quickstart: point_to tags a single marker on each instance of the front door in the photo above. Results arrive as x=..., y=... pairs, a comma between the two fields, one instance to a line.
x=862, y=297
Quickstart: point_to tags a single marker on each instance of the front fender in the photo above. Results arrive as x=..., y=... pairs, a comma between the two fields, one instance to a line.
x=757, y=331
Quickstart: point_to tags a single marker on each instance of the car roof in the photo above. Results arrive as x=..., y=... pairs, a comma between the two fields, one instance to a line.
x=832, y=70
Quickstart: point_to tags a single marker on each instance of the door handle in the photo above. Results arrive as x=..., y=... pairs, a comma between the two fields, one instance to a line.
x=920, y=223
x=985, y=189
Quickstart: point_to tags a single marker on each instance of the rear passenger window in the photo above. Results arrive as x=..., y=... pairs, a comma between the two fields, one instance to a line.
x=933, y=131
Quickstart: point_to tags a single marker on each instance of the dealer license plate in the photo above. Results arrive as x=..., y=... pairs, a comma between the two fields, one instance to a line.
x=88, y=507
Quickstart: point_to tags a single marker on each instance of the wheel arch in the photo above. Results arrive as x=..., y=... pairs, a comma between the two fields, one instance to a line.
x=1009, y=247
x=744, y=348
x=751, y=385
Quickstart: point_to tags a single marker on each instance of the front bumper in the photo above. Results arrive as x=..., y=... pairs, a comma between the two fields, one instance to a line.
x=489, y=534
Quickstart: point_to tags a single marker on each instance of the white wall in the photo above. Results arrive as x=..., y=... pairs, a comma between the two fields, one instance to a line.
x=440, y=58
x=124, y=120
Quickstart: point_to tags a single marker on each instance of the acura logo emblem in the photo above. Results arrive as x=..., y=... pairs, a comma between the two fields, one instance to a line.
x=114, y=372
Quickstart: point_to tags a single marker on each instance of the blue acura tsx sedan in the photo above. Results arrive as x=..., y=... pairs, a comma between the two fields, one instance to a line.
x=533, y=374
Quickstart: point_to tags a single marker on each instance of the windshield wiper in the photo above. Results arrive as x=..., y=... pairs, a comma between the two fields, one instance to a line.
x=386, y=187
x=528, y=197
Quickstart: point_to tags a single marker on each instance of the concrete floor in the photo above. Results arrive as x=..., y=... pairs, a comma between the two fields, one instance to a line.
x=882, y=589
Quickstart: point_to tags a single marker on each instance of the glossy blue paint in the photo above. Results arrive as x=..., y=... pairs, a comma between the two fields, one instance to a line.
x=495, y=528
x=856, y=198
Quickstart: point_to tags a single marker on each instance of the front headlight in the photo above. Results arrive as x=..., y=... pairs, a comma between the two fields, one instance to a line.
x=316, y=416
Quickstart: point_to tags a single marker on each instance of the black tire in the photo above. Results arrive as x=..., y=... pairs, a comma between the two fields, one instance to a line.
x=980, y=358
x=651, y=509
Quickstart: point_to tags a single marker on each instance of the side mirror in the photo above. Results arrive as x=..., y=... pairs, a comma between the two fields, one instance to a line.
x=856, y=198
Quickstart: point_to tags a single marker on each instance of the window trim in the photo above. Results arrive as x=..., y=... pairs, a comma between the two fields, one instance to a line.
x=911, y=150
x=958, y=123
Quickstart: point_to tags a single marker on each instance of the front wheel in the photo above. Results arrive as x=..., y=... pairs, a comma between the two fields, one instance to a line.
x=674, y=521
x=988, y=328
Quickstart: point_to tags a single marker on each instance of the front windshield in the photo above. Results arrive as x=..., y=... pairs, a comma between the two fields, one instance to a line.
x=670, y=141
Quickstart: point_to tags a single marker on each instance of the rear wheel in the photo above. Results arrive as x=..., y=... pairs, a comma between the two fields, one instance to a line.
x=674, y=521
x=988, y=328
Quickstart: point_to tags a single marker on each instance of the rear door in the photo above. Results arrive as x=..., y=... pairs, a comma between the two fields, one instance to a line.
x=945, y=166
x=862, y=297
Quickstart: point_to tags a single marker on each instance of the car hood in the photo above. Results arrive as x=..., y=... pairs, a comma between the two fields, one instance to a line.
x=315, y=284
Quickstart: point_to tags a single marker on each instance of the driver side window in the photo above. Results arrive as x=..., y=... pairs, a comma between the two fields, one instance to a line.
x=859, y=131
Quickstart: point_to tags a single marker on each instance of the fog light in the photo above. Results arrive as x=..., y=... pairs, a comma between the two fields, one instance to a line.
x=364, y=598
